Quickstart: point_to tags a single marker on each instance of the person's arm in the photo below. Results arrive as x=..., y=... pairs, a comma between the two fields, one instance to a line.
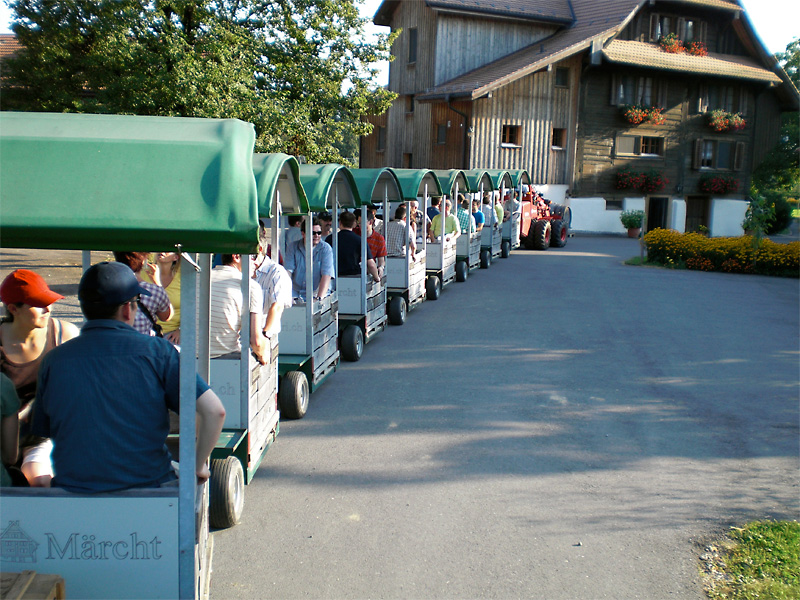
x=455, y=235
x=166, y=312
x=210, y=418
x=258, y=343
x=68, y=330
x=373, y=270
x=324, y=284
x=273, y=318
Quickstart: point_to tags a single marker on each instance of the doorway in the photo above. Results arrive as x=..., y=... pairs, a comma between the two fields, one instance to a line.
x=697, y=210
x=657, y=210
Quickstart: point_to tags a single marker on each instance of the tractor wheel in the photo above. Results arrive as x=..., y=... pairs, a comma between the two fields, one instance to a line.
x=226, y=492
x=433, y=287
x=486, y=259
x=293, y=395
x=352, y=343
x=462, y=270
x=558, y=239
x=505, y=249
x=541, y=235
x=530, y=239
x=396, y=310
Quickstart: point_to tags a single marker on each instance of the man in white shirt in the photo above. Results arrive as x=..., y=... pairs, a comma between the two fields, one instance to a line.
x=225, y=316
x=277, y=286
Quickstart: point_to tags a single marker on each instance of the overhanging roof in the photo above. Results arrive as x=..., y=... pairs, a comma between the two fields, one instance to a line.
x=641, y=54
x=551, y=11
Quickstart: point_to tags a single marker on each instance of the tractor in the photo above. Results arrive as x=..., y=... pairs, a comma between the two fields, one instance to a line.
x=543, y=224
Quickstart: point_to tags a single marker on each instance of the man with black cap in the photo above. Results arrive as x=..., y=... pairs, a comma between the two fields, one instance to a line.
x=103, y=396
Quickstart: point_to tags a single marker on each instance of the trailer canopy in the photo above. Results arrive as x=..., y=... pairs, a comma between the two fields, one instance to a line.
x=448, y=180
x=278, y=175
x=373, y=184
x=501, y=177
x=117, y=182
x=413, y=181
x=326, y=184
x=479, y=181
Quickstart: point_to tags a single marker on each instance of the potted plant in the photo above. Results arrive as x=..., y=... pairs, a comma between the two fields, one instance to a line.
x=697, y=49
x=670, y=43
x=635, y=114
x=632, y=221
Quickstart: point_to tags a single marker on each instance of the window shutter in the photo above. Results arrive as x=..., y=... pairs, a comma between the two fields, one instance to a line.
x=653, y=27
x=743, y=101
x=738, y=156
x=697, y=153
x=637, y=145
x=682, y=28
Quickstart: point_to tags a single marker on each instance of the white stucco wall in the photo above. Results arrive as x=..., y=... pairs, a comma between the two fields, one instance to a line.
x=590, y=214
x=726, y=217
x=553, y=192
x=677, y=215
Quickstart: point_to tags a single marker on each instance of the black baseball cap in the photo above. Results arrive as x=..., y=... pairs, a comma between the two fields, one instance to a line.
x=109, y=283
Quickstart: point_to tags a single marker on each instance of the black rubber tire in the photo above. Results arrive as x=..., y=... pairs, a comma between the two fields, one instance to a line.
x=563, y=211
x=558, y=237
x=529, y=240
x=486, y=259
x=505, y=249
x=293, y=395
x=225, y=492
x=462, y=271
x=541, y=235
x=351, y=343
x=433, y=287
x=396, y=311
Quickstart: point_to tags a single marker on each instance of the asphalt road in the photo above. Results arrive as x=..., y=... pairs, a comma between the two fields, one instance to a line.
x=559, y=426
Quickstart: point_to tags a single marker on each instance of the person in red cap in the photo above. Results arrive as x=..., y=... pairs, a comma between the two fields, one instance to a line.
x=27, y=334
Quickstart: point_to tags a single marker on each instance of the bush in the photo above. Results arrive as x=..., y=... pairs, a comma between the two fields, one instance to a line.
x=631, y=219
x=731, y=255
x=783, y=210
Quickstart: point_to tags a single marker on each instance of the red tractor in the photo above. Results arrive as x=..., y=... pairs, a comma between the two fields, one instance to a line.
x=543, y=224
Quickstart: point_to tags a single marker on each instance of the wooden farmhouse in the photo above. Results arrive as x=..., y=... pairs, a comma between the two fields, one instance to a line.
x=592, y=98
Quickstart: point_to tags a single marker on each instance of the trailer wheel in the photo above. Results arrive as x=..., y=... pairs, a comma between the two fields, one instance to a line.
x=541, y=235
x=505, y=249
x=352, y=343
x=433, y=287
x=396, y=310
x=558, y=239
x=226, y=492
x=293, y=395
x=486, y=259
x=462, y=270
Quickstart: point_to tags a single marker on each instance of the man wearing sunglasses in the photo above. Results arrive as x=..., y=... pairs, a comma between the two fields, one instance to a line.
x=103, y=396
x=322, y=257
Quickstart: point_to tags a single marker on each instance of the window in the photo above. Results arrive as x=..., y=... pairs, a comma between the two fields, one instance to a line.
x=408, y=162
x=412, y=45
x=559, y=139
x=636, y=145
x=441, y=134
x=726, y=97
x=510, y=135
x=562, y=77
x=630, y=89
x=718, y=154
x=381, y=143
x=409, y=104
x=687, y=30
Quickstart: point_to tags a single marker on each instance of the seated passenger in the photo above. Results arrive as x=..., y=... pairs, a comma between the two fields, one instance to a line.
x=277, y=287
x=103, y=396
x=225, y=312
x=375, y=241
x=9, y=428
x=478, y=215
x=156, y=305
x=465, y=220
x=398, y=233
x=326, y=220
x=452, y=230
x=27, y=334
x=434, y=209
x=323, y=271
x=350, y=249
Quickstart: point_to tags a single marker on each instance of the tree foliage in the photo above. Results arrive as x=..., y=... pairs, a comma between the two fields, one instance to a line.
x=301, y=71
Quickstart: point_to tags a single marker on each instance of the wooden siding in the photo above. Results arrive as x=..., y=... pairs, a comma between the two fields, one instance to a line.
x=536, y=106
x=451, y=154
x=766, y=126
x=405, y=78
x=369, y=157
x=601, y=123
x=466, y=43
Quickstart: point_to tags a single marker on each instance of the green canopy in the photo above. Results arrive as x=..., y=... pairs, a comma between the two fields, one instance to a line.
x=476, y=177
x=501, y=177
x=448, y=180
x=413, y=181
x=373, y=183
x=279, y=174
x=114, y=182
x=518, y=177
x=325, y=184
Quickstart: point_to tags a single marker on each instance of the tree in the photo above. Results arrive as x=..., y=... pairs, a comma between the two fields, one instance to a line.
x=301, y=71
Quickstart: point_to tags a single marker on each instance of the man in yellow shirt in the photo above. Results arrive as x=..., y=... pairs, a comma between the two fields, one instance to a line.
x=451, y=227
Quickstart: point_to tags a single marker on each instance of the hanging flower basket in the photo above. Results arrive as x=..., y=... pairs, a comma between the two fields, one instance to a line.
x=718, y=184
x=656, y=116
x=697, y=49
x=670, y=43
x=653, y=181
x=637, y=114
x=628, y=179
x=721, y=120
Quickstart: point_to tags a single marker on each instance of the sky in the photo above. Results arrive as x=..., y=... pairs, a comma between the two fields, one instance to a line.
x=776, y=21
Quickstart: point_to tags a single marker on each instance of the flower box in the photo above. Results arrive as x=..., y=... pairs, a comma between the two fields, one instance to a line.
x=697, y=49
x=718, y=184
x=670, y=43
x=721, y=120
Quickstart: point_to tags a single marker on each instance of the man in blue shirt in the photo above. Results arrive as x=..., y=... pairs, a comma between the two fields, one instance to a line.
x=322, y=256
x=103, y=397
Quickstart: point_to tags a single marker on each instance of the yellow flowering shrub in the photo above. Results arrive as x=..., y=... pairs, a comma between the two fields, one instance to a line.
x=729, y=254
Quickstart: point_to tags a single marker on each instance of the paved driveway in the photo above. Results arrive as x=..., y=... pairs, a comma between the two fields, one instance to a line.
x=559, y=426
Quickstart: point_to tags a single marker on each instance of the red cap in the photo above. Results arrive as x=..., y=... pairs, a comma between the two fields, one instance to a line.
x=27, y=287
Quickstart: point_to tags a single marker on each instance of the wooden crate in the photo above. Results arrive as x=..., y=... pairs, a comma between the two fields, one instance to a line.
x=29, y=585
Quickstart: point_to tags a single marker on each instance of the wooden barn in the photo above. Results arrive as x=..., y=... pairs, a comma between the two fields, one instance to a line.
x=666, y=105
